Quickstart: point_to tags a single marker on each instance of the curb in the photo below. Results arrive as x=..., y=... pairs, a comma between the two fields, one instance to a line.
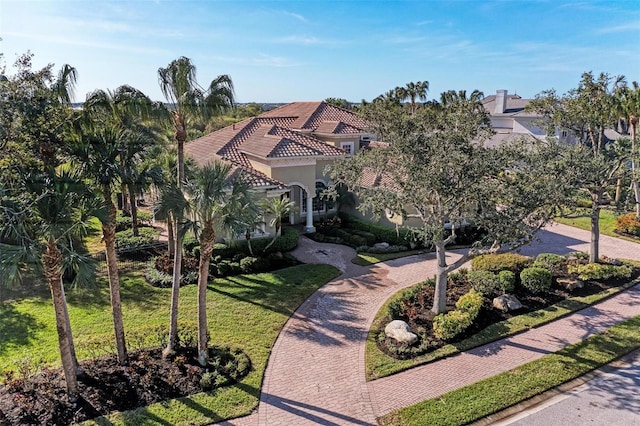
x=502, y=417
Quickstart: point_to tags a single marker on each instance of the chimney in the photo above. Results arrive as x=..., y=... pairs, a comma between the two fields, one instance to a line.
x=501, y=102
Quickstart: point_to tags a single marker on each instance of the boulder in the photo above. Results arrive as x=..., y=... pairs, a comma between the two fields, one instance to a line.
x=570, y=283
x=400, y=331
x=506, y=303
x=611, y=261
x=381, y=245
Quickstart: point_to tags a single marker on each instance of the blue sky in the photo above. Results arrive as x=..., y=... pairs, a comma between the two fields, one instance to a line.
x=283, y=51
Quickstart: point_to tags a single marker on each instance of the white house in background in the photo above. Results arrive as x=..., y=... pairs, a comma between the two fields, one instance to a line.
x=509, y=118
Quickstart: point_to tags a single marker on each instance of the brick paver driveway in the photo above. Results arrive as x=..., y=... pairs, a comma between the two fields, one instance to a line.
x=316, y=370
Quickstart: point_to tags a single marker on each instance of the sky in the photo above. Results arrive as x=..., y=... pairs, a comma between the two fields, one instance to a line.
x=285, y=51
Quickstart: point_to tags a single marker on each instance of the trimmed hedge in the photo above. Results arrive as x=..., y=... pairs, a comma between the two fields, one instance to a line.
x=506, y=281
x=599, y=271
x=536, y=280
x=551, y=261
x=126, y=240
x=285, y=242
x=485, y=282
x=449, y=325
x=500, y=262
x=401, y=236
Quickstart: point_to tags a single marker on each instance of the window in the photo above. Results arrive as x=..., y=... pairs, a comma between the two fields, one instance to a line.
x=321, y=203
x=347, y=147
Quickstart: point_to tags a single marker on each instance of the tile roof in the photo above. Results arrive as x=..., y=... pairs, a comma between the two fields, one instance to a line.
x=284, y=132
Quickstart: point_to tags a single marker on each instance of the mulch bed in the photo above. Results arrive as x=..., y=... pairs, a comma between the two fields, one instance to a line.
x=107, y=386
x=421, y=321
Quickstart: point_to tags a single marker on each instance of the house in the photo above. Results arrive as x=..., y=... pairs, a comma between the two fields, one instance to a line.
x=285, y=151
x=510, y=119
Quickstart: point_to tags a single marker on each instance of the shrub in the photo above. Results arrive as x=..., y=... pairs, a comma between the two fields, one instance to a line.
x=506, y=281
x=399, y=303
x=123, y=222
x=551, y=261
x=486, y=282
x=343, y=233
x=144, y=218
x=500, y=262
x=368, y=236
x=248, y=264
x=393, y=236
x=599, y=271
x=126, y=240
x=285, y=242
x=380, y=250
x=357, y=240
x=536, y=280
x=449, y=325
x=470, y=303
x=628, y=224
x=458, y=277
x=157, y=278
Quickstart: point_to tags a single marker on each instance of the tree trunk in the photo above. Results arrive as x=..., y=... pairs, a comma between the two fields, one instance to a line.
x=594, y=254
x=175, y=291
x=52, y=261
x=134, y=210
x=440, y=296
x=109, y=235
x=247, y=236
x=634, y=181
x=79, y=371
x=170, y=236
x=207, y=241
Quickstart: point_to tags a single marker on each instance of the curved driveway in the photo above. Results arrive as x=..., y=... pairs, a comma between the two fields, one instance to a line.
x=316, y=370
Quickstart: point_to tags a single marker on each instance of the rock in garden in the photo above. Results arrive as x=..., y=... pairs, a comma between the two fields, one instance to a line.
x=400, y=331
x=506, y=303
x=570, y=283
x=381, y=245
x=611, y=261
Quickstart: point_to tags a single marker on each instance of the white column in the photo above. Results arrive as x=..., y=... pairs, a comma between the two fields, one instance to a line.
x=310, y=227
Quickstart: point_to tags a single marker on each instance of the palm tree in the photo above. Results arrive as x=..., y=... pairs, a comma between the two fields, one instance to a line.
x=127, y=108
x=188, y=101
x=214, y=195
x=417, y=90
x=96, y=153
x=39, y=230
x=277, y=208
x=629, y=100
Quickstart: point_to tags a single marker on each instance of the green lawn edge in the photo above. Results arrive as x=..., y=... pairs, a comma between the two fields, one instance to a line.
x=378, y=364
x=245, y=311
x=504, y=390
x=368, y=259
x=607, y=223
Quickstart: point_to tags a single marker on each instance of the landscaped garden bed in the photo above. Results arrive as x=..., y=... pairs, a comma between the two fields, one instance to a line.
x=538, y=284
x=106, y=386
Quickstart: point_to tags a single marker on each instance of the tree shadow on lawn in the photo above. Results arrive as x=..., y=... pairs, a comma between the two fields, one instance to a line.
x=16, y=328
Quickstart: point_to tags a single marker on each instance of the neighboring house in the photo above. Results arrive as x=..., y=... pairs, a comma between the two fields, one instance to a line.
x=509, y=118
x=285, y=151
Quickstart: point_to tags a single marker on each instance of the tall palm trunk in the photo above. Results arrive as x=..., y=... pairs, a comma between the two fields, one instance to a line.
x=171, y=243
x=173, y=231
x=594, y=253
x=207, y=240
x=134, y=209
x=52, y=260
x=109, y=235
x=634, y=181
x=175, y=292
x=440, y=296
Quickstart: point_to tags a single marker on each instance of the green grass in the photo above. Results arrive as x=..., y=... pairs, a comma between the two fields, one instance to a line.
x=496, y=393
x=380, y=365
x=607, y=222
x=244, y=311
x=93, y=241
x=366, y=259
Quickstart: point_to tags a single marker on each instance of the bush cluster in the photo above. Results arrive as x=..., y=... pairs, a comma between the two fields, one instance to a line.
x=485, y=282
x=124, y=222
x=449, y=325
x=599, y=271
x=126, y=240
x=628, y=224
x=284, y=243
x=500, y=262
x=536, y=280
x=553, y=262
x=392, y=236
x=405, y=299
x=380, y=250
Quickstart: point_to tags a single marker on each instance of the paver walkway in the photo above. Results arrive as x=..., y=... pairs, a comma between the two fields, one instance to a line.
x=316, y=370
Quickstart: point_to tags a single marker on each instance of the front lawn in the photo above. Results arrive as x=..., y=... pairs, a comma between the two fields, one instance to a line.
x=473, y=402
x=244, y=311
x=583, y=221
